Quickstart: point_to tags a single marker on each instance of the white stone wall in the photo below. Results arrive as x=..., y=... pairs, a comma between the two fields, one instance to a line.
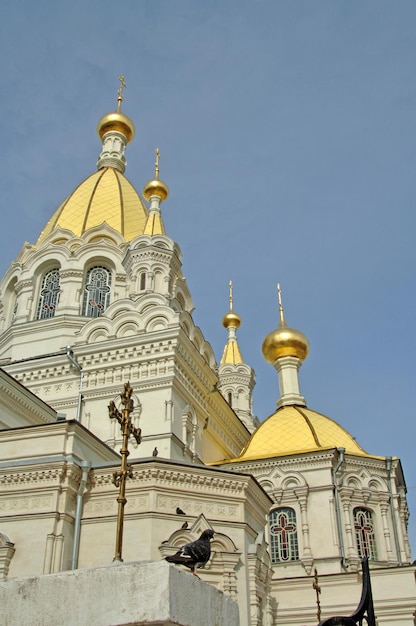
x=134, y=593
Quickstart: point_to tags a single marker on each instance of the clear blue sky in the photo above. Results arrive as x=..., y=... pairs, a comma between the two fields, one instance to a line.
x=287, y=135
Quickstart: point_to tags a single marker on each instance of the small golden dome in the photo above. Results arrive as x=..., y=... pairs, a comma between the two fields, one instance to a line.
x=285, y=341
x=116, y=121
x=155, y=188
x=231, y=319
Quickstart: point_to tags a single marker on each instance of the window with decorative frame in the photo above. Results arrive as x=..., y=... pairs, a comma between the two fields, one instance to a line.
x=49, y=294
x=364, y=533
x=96, y=291
x=283, y=535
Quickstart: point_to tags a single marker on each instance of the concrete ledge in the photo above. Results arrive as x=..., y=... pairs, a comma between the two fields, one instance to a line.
x=133, y=594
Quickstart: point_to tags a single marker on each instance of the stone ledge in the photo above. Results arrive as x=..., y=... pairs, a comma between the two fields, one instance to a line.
x=133, y=594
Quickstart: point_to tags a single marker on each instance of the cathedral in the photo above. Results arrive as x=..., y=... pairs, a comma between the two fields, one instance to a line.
x=100, y=300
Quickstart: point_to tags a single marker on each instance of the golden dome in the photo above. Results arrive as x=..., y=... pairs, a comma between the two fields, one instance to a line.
x=231, y=319
x=105, y=196
x=155, y=188
x=293, y=430
x=116, y=121
x=285, y=341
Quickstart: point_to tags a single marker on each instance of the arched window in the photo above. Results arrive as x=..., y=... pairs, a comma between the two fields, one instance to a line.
x=364, y=533
x=49, y=295
x=230, y=398
x=97, y=291
x=283, y=536
x=142, y=281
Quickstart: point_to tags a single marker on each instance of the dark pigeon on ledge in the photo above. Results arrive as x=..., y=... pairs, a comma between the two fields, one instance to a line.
x=194, y=554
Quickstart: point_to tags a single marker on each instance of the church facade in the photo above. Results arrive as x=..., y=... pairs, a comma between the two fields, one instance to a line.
x=99, y=300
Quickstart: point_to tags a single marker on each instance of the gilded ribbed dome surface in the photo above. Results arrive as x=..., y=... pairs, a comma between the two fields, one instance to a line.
x=293, y=430
x=105, y=196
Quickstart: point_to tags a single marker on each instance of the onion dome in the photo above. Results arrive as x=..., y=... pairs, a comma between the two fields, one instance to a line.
x=115, y=131
x=231, y=321
x=155, y=191
x=156, y=187
x=284, y=341
x=118, y=122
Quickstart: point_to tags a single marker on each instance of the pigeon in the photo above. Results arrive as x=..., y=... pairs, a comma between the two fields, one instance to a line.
x=179, y=511
x=184, y=525
x=155, y=452
x=194, y=554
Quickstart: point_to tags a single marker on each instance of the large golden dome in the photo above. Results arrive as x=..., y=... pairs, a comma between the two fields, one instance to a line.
x=105, y=196
x=293, y=430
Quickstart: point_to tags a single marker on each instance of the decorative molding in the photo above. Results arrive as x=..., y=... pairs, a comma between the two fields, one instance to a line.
x=7, y=550
x=22, y=402
x=197, y=506
x=45, y=477
x=71, y=273
x=108, y=506
x=27, y=504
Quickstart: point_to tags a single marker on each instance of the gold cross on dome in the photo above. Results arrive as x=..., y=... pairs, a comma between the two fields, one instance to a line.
x=120, y=91
x=281, y=312
x=231, y=294
x=157, y=163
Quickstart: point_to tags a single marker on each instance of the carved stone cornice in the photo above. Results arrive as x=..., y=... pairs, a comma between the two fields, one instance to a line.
x=71, y=273
x=150, y=254
x=21, y=476
x=23, y=284
x=294, y=463
x=178, y=478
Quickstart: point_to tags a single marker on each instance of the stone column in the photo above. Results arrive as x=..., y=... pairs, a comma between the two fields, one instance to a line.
x=384, y=508
x=306, y=556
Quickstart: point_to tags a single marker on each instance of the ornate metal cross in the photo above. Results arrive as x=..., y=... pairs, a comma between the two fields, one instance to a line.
x=120, y=91
x=317, y=588
x=126, y=471
x=157, y=163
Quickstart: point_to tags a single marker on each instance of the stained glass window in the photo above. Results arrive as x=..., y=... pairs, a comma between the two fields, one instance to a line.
x=97, y=291
x=283, y=535
x=49, y=295
x=364, y=533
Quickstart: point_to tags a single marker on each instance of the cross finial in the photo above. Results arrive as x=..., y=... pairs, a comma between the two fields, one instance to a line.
x=157, y=163
x=231, y=294
x=317, y=588
x=281, y=312
x=120, y=91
